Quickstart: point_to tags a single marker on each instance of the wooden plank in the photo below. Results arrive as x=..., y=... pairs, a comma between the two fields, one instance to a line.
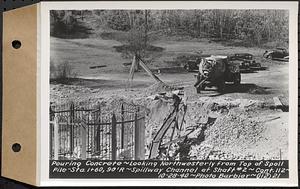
x=114, y=137
x=131, y=72
x=100, y=66
x=56, y=138
x=142, y=138
x=273, y=118
x=98, y=120
x=145, y=67
x=139, y=140
x=72, y=125
x=122, y=126
x=84, y=144
x=157, y=139
x=136, y=139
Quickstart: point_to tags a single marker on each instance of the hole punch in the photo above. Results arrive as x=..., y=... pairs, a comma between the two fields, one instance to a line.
x=16, y=147
x=16, y=44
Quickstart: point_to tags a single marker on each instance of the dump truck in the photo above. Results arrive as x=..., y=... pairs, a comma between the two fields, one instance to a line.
x=215, y=71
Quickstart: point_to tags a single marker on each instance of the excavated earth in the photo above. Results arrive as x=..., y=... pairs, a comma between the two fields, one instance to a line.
x=213, y=127
x=225, y=128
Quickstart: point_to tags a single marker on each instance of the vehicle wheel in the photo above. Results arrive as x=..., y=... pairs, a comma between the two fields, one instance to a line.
x=221, y=85
x=237, y=79
x=187, y=67
x=270, y=56
x=259, y=66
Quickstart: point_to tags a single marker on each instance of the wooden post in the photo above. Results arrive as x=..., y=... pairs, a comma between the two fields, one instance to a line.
x=137, y=63
x=132, y=68
x=83, y=138
x=147, y=69
x=122, y=126
x=146, y=30
x=280, y=154
x=142, y=139
x=136, y=136
x=51, y=140
x=139, y=139
x=72, y=118
x=131, y=72
x=98, y=120
x=52, y=114
x=114, y=137
x=56, y=138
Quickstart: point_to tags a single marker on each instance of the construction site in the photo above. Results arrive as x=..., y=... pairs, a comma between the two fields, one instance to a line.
x=117, y=107
x=183, y=125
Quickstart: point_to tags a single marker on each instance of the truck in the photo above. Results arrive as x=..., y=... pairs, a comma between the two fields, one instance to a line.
x=216, y=71
x=192, y=61
x=247, y=61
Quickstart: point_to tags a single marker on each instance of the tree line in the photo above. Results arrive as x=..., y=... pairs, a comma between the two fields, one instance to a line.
x=252, y=26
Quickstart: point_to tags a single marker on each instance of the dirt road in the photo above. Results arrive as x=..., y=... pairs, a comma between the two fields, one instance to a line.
x=259, y=85
x=113, y=78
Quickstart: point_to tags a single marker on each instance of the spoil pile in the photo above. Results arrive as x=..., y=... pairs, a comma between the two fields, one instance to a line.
x=224, y=128
x=159, y=87
x=240, y=130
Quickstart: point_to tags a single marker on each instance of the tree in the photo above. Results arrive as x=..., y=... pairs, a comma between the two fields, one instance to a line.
x=66, y=24
x=253, y=27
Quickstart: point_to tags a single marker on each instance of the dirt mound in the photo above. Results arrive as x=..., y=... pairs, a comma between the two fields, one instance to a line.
x=159, y=88
x=200, y=110
x=245, y=135
x=239, y=131
x=222, y=128
x=258, y=90
x=236, y=130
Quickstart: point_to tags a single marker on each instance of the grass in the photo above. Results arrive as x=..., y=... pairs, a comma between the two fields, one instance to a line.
x=85, y=53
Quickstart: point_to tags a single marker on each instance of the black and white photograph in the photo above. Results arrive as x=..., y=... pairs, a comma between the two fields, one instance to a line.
x=171, y=85
x=151, y=93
